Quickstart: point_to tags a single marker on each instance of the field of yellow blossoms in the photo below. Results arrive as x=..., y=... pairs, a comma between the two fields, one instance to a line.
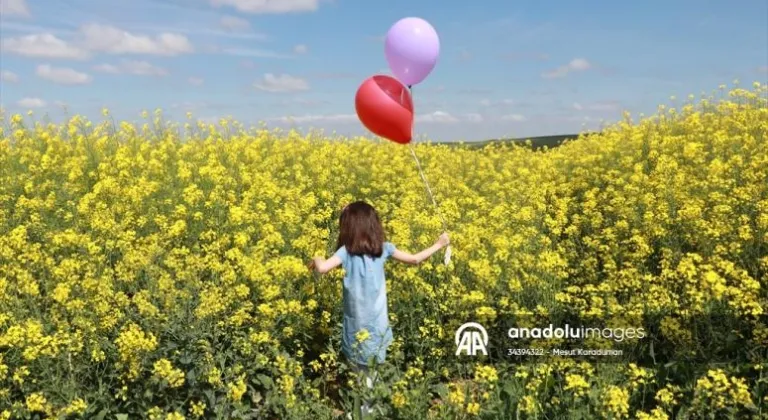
x=159, y=271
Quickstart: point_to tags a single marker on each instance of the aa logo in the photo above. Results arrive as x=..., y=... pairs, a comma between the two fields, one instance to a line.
x=471, y=338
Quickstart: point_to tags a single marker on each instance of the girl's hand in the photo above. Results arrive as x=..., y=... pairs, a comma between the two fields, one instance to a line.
x=322, y=266
x=444, y=240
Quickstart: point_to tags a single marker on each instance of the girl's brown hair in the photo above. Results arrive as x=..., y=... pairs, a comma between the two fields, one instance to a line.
x=360, y=230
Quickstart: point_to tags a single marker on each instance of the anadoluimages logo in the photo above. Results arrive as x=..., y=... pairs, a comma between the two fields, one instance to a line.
x=471, y=338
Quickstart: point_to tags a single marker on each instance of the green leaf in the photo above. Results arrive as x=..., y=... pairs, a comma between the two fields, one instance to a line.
x=265, y=380
x=255, y=397
x=211, y=397
x=510, y=388
x=254, y=414
x=121, y=416
x=103, y=413
x=441, y=390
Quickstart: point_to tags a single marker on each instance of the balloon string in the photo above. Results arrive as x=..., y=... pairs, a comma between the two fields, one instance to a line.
x=429, y=190
x=447, y=257
x=424, y=178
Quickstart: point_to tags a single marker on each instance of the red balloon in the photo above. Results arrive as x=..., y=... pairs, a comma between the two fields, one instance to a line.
x=385, y=107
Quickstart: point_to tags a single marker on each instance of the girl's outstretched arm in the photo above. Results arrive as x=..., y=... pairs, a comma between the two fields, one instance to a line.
x=323, y=266
x=415, y=259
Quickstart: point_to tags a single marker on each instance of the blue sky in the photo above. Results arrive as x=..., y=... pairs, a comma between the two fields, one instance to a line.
x=508, y=68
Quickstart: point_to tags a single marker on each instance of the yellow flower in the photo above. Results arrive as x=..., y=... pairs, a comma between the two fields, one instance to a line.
x=577, y=384
x=399, y=400
x=36, y=402
x=20, y=374
x=667, y=396
x=486, y=374
x=155, y=413
x=164, y=370
x=77, y=406
x=362, y=335
x=655, y=414
x=616, y=402
x=456, y=396
x=529, y=405
x=473, y=409
x=236, y=390
x=197, y=409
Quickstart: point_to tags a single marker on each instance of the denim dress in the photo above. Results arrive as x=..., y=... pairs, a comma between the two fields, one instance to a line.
x=365, y=306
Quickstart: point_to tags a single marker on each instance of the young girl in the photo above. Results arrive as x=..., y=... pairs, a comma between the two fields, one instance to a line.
x=362, y=251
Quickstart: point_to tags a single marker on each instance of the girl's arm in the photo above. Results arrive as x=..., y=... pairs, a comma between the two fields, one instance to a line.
x=423, y=255
x=323, y=266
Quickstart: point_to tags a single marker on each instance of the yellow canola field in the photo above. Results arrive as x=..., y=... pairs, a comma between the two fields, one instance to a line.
x=160, y=271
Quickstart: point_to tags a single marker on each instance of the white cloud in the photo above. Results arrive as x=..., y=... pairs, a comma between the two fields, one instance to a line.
x=195, y=81
x=514, y=117
x=474, y=118
x=190, y=106
x=488, y=102
x=107, y=68
x=62, y=75
x=575, y=65
x=437, y=117
x=605, y=106
x=304, y=101
x=31, y=103
x=136, y=68
x=519, y=56
x=233, y=23
x=579, y=64
x=97, y=38
x=9, y=76
x=474, y=91
x=432, y=89
x=269, y=6
x=250, y=52
x=583, y=119
x=43, y=45
x=109, y=39
x=317, y=118
x=281, y=83
x=14, y=8
x=333, y=75
x=300, y=49
x=226, y=27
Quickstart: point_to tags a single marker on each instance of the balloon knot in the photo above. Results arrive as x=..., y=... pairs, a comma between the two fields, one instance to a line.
x=409, y=87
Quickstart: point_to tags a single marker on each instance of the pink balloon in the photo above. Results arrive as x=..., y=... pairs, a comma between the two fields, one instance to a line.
x=412, y=48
